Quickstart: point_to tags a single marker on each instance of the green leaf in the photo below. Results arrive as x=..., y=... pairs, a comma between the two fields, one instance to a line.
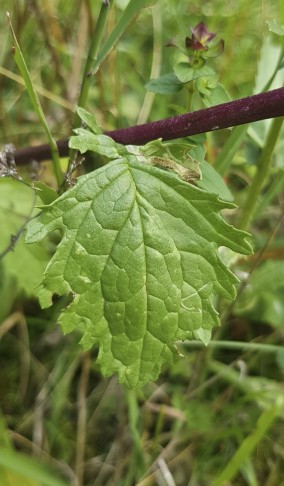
x=206, y=84
x=275, y=27
x=46, y=193
x=268, y=63
x=24, y=263
x=216, y=96
x=89, y=120
x=185, y=73
x=166, y=84
x=212, y=182
x=100, y=144
x=262, y=298
x=139, y=255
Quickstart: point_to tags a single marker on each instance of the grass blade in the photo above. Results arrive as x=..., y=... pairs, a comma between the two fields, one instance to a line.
x=42, y=91
x=248, y=445
x=28, y=468
x=92, y=57
x=131, y=10
x=230, y=148
x=21, y=63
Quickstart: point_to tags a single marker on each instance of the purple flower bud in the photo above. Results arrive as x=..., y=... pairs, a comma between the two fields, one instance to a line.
x=200, y=38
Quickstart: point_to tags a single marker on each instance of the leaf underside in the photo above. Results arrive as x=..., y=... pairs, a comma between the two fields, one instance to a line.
x=139, y=255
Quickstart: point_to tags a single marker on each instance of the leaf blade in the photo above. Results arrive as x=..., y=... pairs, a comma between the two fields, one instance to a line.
x=139, y=255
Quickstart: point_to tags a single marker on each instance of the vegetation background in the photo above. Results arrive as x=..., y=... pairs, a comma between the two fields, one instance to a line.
x=216, y=416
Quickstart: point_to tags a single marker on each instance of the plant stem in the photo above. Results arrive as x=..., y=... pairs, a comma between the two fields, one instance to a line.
x=236, y=345
x=137, y=467
x=156, y=64
x=92, y=56
x=233, y=113
x=248, y=208
x=132, y=9
x=238, y=112
x=95, y=58
x=90, y=63
x=82, y=417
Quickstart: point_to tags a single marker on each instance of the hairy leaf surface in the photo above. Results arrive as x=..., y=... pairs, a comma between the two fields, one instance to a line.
x=139, y=255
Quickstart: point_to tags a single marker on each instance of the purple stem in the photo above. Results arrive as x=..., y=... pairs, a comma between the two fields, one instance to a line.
x=245, y=110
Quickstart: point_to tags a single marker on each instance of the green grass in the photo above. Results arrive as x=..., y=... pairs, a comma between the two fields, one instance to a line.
x=215, y=417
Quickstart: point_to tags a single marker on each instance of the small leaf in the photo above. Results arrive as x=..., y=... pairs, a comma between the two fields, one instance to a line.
x=185, y=73
x=89, y=120
x=139, y=255
x=275, y=27
x=206, y=84
x=100, y=144
x=46, y=193
x=167, y=84
x=204, y=335
x=216, y=96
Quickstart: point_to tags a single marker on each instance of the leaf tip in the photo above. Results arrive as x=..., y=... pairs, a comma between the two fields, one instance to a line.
x=44, y=297
x=203, y=335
